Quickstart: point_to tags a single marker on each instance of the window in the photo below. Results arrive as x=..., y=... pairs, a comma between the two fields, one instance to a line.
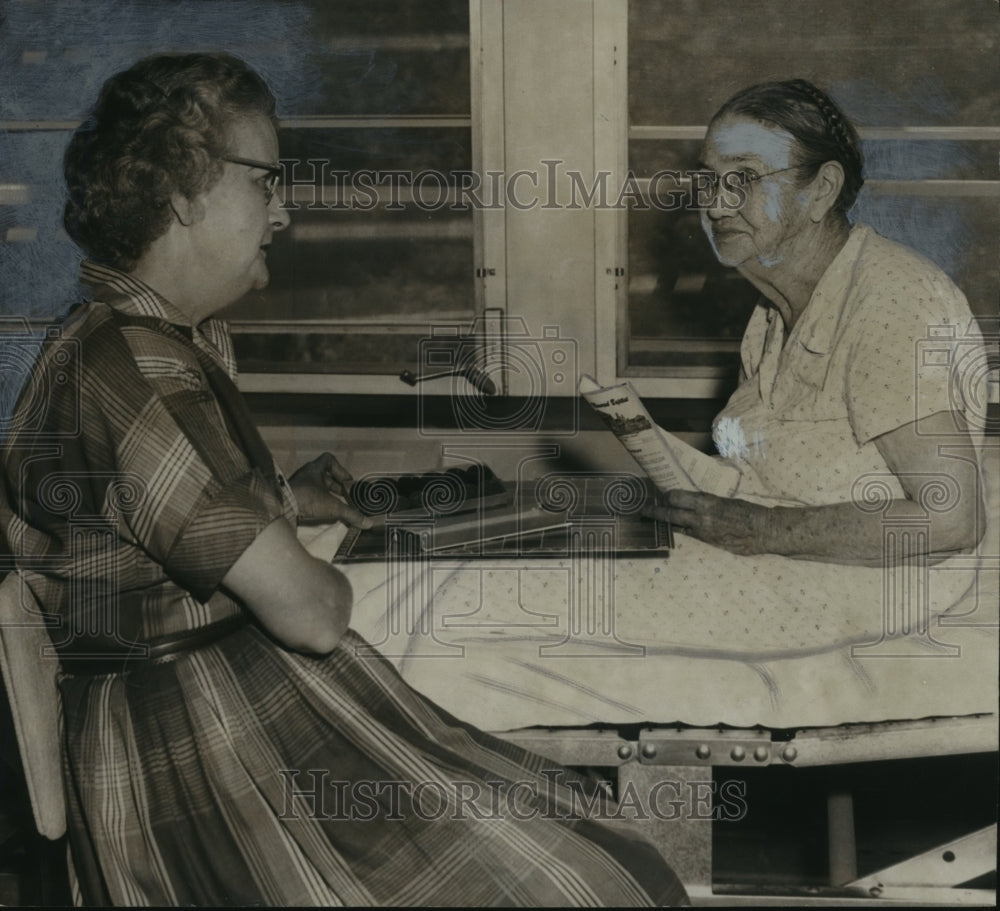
x=919, y=79
x=381, y=245
x=390, y=107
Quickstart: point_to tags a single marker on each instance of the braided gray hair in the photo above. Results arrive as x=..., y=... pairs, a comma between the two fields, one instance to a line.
x=821, y=129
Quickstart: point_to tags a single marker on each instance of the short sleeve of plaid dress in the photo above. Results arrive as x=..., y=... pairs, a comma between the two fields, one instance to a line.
x=240, y=773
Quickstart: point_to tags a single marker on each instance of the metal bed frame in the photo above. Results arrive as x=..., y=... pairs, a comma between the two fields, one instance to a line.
x=683, y=754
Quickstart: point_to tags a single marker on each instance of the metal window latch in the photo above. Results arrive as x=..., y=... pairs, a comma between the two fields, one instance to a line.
x=482, y=273
x=617, y=271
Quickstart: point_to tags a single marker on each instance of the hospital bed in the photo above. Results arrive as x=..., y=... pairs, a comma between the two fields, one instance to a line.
x=656, y=726
x=495, y=648
x=651, y=723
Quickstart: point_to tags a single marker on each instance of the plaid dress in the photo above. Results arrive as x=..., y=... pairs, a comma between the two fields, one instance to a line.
x=242, y=773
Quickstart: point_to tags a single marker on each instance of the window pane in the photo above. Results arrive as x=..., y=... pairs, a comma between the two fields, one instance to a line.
x=412, y=149
x=317, y=351
x=684, y=309
x=319, y=56
x=958, y=233
x=352, y=265
x=910, y=159
x=379, y=235
x=389, y=57
x=895, y=62
x=39, y=265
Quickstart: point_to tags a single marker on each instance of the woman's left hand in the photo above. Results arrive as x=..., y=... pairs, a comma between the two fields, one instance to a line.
x=320, y=487
x=734, y=525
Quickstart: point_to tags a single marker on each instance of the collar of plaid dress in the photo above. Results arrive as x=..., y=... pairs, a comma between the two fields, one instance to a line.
x=133, y=297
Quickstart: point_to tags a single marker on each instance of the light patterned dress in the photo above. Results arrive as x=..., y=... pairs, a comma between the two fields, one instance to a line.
x=240, y=773
x=886, y=339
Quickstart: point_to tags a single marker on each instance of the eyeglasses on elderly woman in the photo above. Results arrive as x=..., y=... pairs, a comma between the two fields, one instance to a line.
x=713, y=183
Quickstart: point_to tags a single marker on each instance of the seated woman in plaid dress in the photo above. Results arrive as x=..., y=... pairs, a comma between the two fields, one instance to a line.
x=229, y=740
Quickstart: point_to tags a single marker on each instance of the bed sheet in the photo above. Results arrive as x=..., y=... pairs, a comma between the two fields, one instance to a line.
x=503, y=673
x=558, y=642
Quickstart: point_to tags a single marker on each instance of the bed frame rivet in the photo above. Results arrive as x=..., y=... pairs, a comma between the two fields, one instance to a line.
x=789, y=753
x=624, y=751
x=761, y=754
x=703, y=751
x=737, y=754
x=648, y=750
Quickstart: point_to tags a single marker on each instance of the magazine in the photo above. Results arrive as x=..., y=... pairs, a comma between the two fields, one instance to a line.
x=667, y=460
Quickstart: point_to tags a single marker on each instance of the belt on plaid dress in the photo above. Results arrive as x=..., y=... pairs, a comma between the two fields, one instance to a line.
x=81, y=665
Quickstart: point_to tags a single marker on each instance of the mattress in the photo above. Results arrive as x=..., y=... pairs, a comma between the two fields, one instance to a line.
x=498, y=675
x=507, y=644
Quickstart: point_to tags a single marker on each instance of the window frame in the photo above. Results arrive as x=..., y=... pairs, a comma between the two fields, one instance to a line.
x=486, y=82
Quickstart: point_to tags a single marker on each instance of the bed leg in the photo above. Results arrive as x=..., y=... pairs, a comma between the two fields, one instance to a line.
x=843, y=855
x=677, y=817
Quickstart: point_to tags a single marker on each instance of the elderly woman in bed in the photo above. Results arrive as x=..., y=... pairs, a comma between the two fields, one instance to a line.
x=834, y=401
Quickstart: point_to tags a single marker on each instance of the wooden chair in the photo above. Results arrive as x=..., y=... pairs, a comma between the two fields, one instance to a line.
x=30, y=669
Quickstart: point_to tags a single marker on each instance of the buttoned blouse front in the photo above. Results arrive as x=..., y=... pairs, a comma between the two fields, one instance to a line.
x=876, y=348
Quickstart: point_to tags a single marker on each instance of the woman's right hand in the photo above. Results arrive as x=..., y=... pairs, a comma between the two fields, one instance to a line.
x=320, y=488
x=738, y=526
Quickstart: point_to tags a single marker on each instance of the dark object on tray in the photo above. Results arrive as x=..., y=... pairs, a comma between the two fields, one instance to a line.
x=436, y=493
